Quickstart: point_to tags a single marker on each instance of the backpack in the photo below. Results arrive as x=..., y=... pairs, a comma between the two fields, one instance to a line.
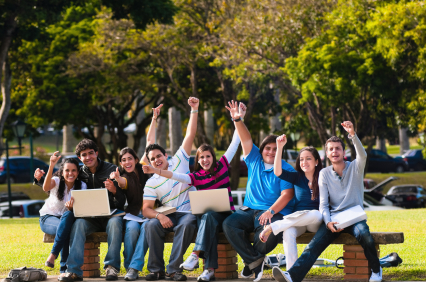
x=26, y=274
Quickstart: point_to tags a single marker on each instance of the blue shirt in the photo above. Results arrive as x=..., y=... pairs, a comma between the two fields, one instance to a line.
x=263, y=187
x=302, y=192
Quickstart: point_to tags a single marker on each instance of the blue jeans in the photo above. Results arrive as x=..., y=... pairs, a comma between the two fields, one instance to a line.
x=135, y=245
x=61, y=228
x=237, y=228
x=86, y=226
x=323, y=238
x=184, y=226
x=209, y=225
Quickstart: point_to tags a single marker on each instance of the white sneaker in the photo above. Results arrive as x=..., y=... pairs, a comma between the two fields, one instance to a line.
x=207, y=275
x=281, y=276
x=376, y=277
x=190, y=263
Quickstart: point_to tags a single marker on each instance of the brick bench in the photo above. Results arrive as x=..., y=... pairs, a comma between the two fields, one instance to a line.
x=355, y=264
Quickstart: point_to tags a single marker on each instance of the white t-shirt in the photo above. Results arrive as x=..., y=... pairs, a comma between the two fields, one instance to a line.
x=52, y=205
x=169, y=192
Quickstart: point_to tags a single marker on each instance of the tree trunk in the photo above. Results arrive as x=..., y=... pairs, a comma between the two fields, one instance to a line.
x=68, y=140
x=274, y=121
x=175, y=130
x=140, y=136
x=404, y=144
x=161, y=135
x=7, y=102
x=381, y=144
x=209, y=124
x=235, y=169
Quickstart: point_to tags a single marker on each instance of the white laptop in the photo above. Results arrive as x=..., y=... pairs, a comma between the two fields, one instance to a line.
x=349, y=217
x=91, y=202
x=209, y=200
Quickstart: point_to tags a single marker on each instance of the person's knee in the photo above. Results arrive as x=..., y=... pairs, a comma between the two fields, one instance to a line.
x=209, y=217
x=115, y=224
x=152, y=225
x=132, y=231
x=317, y=216
x=290, y=234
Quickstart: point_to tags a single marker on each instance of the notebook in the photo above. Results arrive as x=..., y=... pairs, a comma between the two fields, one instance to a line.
x=349, y=217
x=92, y=202
x=209, y=200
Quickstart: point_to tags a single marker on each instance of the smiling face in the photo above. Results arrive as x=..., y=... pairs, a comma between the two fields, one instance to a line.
x=205, y=159
x=269, y=152
x=157, y=159
x=335, y=152
x=128, y=162
x=307, y=162
x=89, y=158
x=70, y=173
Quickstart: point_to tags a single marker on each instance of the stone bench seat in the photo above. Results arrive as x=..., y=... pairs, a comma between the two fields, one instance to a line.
x=355, y=264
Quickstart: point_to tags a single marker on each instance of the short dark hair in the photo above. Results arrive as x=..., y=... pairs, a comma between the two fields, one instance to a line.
x=268, y=140
x=154, y=147
x=84, y=145
x=334, y=139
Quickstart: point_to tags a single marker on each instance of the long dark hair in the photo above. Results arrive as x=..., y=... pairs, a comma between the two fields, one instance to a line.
x=60, y=174
x=201, y=149
x=315, y=186
x=138, y=166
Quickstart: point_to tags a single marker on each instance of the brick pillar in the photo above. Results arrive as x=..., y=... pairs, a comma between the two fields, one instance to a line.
x=356, y=264
x=227, y=261
x=91, y=260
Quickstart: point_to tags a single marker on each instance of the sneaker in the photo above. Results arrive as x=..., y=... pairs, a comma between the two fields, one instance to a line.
x=376, y=277
x=160, y=275
x=111, y=273
x=131, y=275
x=258, y=271
x=247, y=272
x=70, y=277
x=207, y=275
x=176, y=276
x=190, y=263
x=281, y=276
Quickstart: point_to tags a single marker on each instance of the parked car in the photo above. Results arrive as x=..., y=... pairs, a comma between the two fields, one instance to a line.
x=4, y=197
x=58, y=164
x=408, y=196
x=379, y=161
x=376, y=190
x=20, y=169
x=22, y=208
x=415, y=160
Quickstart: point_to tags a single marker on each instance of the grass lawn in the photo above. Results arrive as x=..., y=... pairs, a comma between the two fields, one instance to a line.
x=21, y=245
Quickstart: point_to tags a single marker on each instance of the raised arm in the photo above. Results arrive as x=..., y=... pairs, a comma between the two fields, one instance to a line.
x=181, y=177
x=287, y=175
x=233, y=147
x=49, y=183
x=361, y=154
x=192, y=125
x=150, y=138
x=122, y=182
x=243, y=133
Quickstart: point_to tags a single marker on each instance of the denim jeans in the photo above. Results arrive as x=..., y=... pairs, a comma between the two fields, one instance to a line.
x=237, y=228
x=86, y=226
x=209, y=225
x=61, y=228
x=184, y=226
x=323, y=238
x=135, y=245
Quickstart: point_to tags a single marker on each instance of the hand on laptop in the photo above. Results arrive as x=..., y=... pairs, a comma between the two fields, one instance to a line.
x=165, y=221
x=330, y=226
x=110, y=186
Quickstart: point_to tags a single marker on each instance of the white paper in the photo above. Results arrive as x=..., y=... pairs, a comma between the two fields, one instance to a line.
x=130, y=216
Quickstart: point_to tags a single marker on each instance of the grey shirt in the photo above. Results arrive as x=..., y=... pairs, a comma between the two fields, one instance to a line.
x=341, y=193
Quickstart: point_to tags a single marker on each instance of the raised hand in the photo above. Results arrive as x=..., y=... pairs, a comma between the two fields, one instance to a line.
x=38, y=174
x=147, y=169
x=233, y=109
x=281, y=141
x=110, y=186
x=193, y=103
x=242, y=109
x=115, y=174
x=156, y=111
x=54, y=158
x=349, y=127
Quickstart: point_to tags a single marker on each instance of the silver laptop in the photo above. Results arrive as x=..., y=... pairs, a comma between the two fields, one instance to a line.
x=91, y=202
x=209, y=200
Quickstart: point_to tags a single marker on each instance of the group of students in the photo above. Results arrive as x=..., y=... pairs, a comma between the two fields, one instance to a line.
x=281, y=203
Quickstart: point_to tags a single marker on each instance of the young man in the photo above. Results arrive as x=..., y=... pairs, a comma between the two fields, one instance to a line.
x=95, y=173
x=171, y=194
x=267, y=200
x=341, y=187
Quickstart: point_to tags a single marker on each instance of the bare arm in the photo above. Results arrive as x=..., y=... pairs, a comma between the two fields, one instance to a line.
x=150, y=137
x=192, y=125
x=181, y=177
x=280, y=203
x=49, y=183
x=243, y=133
x=281, y=141
x=122, y=182
x=149, y=212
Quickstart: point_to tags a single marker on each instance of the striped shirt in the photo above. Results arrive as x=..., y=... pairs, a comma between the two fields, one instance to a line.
x=203, y=180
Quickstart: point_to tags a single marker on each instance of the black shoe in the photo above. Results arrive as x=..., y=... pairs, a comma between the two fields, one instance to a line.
x=111, y=273
x=247, y=272
x=70, y=277
x=176, y=276
x=153, y=276
x=258, y=271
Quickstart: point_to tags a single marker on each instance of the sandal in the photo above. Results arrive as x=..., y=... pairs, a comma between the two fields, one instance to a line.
x=263, y=238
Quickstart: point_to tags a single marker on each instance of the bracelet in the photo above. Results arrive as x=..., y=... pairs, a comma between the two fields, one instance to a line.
x=236, y=120
x=157, y=215
x=194, y=111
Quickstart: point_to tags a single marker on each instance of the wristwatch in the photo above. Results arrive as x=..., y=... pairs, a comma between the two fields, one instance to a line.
x=271, y=211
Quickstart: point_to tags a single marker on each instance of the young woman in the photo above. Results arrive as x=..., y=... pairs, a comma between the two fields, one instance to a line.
x=132, y=179
x=306, y=216
x=56, y=216
x=208, y=174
